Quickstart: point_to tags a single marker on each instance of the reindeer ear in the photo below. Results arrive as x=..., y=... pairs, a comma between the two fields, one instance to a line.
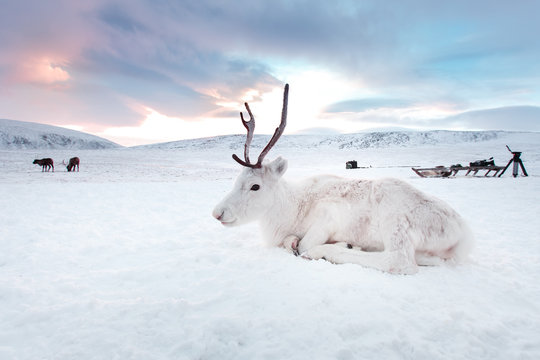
x=277, y=167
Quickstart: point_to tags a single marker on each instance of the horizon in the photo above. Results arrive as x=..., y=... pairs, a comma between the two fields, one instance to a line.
x=142, y=72
x=319, y=135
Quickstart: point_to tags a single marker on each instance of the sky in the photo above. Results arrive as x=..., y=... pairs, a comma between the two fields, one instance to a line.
x=139, y=72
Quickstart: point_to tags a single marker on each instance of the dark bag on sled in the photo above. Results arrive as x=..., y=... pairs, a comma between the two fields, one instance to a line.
x=489, y=162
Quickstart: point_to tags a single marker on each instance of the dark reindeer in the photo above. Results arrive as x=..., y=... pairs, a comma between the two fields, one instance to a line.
x=46, y=164
x=73, y=162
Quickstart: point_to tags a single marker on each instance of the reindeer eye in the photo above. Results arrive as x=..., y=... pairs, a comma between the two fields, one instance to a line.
x=255, y=187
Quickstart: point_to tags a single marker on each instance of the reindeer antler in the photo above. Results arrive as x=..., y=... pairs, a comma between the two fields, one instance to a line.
x=250, y=127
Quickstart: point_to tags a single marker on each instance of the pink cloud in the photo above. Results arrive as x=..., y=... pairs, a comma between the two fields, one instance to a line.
x=40, y=70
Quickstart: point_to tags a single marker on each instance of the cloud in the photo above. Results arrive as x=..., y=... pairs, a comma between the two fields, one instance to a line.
x=103, y=62
x=360, y=105
x=40, y=71
x=124, y=59
x=513, y=118
x=318, y=131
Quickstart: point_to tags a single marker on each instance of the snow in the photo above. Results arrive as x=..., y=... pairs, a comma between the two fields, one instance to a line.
x=123, y=260
x=28, y=135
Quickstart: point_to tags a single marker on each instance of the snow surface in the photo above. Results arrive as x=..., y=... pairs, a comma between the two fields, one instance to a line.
x=28, y=135
x=124, y=261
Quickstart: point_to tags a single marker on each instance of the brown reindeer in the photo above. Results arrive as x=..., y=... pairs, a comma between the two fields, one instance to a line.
x=46, y=164
x=73, y=162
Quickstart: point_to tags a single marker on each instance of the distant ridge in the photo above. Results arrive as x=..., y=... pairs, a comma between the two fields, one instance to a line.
x=19, y=135
x=362, y=140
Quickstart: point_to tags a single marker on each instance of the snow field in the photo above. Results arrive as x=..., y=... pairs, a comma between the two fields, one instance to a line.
x=124, y=261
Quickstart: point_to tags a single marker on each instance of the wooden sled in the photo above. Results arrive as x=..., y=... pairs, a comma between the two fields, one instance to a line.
x=443, y=171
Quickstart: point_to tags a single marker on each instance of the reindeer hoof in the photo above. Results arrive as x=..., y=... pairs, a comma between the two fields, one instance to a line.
x=291, y=243
x=294, y=247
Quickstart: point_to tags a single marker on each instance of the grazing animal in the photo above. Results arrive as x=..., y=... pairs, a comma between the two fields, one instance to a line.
x=46, y=164
x=73, y=162
x=383, y=224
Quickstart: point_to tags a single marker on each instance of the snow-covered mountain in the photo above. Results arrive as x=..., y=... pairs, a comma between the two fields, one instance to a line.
x=348, y=141
x=28, y=135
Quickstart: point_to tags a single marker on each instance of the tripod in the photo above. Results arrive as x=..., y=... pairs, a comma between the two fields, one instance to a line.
x=517, y=163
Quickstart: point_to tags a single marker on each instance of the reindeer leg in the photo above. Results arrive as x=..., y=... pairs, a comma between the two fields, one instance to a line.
x=292, y=242
x=398, y=255
x=423, y=259
x=316, y=235
x=392, y=261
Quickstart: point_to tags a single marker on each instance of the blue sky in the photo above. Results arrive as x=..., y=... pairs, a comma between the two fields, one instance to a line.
x=149, y=71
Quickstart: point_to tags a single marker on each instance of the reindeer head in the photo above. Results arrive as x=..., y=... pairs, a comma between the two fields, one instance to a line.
x=255, y=188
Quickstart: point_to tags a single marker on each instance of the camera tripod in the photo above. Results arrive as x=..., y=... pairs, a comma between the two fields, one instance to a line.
x=517, y=163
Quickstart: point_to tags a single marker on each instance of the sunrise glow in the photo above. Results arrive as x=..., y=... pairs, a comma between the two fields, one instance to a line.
x=145, y=73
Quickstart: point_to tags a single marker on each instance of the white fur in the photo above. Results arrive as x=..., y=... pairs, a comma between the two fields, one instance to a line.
x=390, y=225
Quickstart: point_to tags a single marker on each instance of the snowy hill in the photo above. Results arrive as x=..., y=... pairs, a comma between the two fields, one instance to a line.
x=28, y=135
x=350, y=141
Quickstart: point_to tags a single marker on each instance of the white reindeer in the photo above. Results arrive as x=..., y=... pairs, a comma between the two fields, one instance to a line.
x=384, y=224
